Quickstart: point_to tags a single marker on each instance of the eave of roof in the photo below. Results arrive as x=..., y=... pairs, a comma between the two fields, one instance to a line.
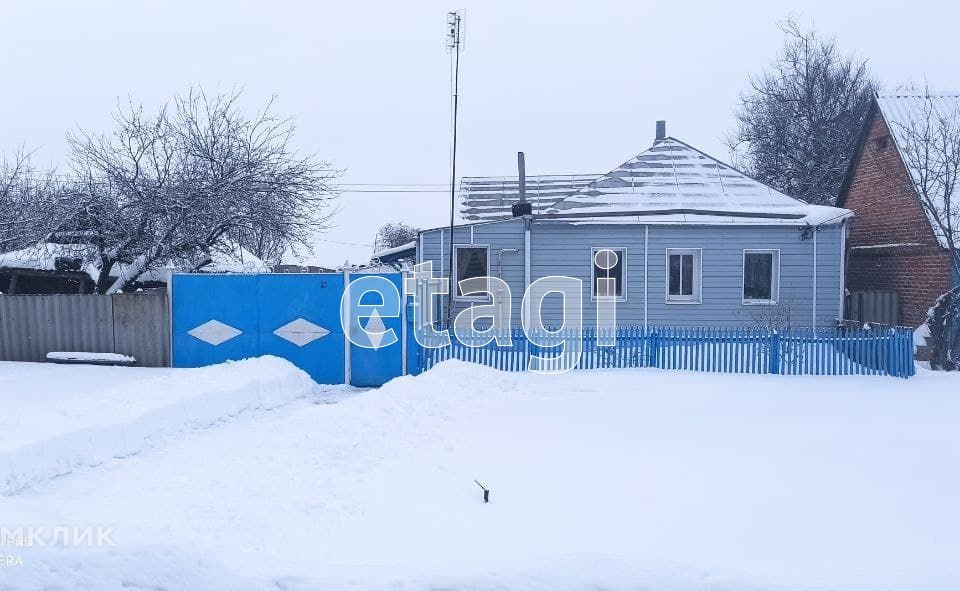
x=857, y=152
x=396, y=250
x=815, y=215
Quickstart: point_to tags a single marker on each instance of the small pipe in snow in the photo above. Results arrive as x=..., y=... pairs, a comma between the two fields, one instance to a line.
x=486, y=492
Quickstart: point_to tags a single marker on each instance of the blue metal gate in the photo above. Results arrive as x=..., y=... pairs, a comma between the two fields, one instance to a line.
x=217, y=318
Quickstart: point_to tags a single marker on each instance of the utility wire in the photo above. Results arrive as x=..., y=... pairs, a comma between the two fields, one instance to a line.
x=368, y=244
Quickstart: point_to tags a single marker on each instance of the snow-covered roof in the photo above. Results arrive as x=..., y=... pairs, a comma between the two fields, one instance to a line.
x=43, y=256
x=671, y=182
x=229, y=257
x=812, y=214
x=386, y=252
x=488, y=198
x=906, y=111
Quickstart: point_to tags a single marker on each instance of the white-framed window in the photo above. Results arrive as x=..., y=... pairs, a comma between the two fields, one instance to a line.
x=683, y=275
x=608, y=275
x=470, y=260
x=761, y=276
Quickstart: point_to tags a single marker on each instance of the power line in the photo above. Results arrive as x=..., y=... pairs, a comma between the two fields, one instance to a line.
x=368, y=244
x=393, y=184
x=393, y=191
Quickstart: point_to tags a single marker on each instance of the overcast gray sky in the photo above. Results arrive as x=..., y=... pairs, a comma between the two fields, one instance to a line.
x=577, y=86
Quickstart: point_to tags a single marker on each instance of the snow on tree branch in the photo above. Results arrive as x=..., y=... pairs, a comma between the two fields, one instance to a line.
x=195, y=177
x=393, y=235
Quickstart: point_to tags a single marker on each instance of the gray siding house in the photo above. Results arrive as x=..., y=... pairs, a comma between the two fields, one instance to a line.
x=694, y=241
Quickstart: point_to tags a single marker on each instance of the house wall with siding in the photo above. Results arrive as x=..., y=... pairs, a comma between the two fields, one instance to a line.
x=892, y=246
x=499, y=236
x=559, y=248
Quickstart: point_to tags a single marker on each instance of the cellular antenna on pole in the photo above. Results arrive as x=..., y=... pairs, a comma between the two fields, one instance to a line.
x=454, y=45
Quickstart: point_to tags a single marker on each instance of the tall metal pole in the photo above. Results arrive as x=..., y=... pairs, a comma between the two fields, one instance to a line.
x=453, y=23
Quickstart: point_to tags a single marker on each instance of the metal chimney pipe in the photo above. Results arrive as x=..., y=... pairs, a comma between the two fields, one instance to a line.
x=522, y=169
x=522, y=207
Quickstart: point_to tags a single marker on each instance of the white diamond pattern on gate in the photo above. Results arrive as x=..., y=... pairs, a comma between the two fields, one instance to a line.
x=301, y=332
x=214, y=332
x=375, y=329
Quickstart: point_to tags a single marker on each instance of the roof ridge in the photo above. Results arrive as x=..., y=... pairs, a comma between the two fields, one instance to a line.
x=736, y=170
x=608, y=173
x=665, y=140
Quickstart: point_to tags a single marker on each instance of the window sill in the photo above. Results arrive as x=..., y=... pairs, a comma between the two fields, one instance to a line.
x=684, y=302
x=759, y=302
x=619, y=300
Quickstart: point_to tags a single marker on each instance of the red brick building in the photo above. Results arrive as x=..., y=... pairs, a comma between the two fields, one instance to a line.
x=893, y=245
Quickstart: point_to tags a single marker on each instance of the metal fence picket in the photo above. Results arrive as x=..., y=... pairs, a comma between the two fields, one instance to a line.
x=707, y=349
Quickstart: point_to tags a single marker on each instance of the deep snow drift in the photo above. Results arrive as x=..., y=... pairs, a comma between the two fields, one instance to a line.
x=63, y=417
x=638, y=479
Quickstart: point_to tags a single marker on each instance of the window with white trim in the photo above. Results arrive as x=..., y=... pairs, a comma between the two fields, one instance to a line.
x=609, y=275
x=761, y=276
x=470, y=261
x=683, y=275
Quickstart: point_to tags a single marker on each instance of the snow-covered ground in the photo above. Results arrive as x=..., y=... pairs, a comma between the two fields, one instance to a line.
x=59, y=418
x=633, y=479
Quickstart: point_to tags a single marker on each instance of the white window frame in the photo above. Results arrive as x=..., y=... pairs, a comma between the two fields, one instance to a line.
x=593, y=282
x=696, y=296
x=774, y=277
x=456, y=274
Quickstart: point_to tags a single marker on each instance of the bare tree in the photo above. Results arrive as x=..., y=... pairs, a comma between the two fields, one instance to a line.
x=776, y=318
x=797, y=128
x=929, y=143
x=196, y=177
x=393, y=235
x=25, y=196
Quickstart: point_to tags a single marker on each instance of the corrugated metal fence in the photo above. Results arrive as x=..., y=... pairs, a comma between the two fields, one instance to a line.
x=876, y=307
x=132, y=324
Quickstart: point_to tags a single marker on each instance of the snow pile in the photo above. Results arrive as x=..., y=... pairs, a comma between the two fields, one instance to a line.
x=616, y=479
x=921, y=334
x=69, y=417
x=86, y=356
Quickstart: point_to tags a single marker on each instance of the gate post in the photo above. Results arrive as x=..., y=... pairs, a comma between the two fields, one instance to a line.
x=414, y=356
x=345, y=315
x=404, y=317
x=774, y=353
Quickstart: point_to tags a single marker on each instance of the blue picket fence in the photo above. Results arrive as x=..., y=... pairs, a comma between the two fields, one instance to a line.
x=726, y=350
